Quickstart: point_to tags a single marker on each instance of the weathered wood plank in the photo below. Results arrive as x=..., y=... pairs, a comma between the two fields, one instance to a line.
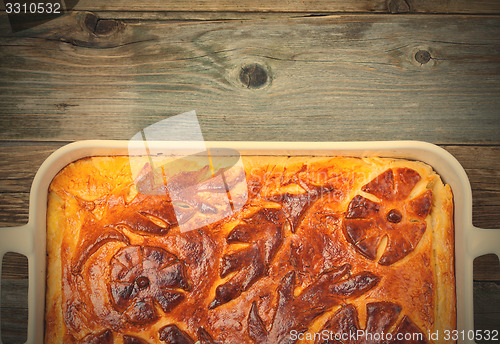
x=348, y=77
x=14, y=266
x=487, y=268
x=486, y=307
x=483, y=169
x=19, y=162
x=14, y=310
x=13, y=209
x=314, y=6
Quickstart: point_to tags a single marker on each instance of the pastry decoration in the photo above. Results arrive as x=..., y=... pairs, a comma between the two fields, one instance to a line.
x=396, y=215
x=263, y=232
x=186, y=192
x=171, y=334
x=380, y=319
x=295, y=204
x=133, y=340
x=294, y=313
x=142, y=277
x=105, y=337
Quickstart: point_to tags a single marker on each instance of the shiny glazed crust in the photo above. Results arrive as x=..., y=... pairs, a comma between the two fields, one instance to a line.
x=266, y=250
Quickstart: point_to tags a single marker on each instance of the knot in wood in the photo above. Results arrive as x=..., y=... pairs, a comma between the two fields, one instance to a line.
x=253, y=75
x=398, y=6
x=98, y=26
x=422, y=56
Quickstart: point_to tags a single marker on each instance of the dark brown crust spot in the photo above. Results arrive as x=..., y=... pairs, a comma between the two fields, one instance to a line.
x=295, y=206
x=171, y=334
x=394, y=216
x=393, y=185
x=381, y=316
x=133, y=340
x=402, y=246
x=204, y=337
x=361, y=208
x=105, y=337
x=225, y=293
x=256, y=328
x=142, y=282
x=359, y=233
x=355, y=286
x=345, y=320
x=420, y=206
x=142, y=222
x=382, y=186
x=408, y=329
x=141, y=311
x=406, y=179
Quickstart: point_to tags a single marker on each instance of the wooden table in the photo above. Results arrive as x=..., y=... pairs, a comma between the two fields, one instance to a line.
x=313, y=70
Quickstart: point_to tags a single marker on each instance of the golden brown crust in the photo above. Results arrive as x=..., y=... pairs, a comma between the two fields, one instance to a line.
x=319, y=245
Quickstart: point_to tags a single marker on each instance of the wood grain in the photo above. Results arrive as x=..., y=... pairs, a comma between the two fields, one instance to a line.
x=334, y=78
x=486, y=307
x=14, y=266
x=14, y=310
x=487, y=268
x=392, y=6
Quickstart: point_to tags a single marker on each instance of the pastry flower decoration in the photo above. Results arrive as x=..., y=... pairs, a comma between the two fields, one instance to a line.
x=142, y=277
x=380, y=328
x=396, y=215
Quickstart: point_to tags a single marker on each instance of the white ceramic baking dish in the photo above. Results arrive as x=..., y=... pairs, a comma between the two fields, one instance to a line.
x=470, y=241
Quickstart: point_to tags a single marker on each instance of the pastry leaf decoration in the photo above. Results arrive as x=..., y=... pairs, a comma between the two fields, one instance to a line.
x=263, y=232
x=380, y=318
x=295, y=312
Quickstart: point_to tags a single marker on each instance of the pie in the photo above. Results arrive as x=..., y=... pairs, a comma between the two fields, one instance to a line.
x=272, y=249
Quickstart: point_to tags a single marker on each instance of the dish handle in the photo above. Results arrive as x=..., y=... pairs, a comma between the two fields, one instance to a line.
x=481, y=241
x=19, y=240
x=484, y=241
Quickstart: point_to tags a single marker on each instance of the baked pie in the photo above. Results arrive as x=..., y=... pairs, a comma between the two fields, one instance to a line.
x=271, y=250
